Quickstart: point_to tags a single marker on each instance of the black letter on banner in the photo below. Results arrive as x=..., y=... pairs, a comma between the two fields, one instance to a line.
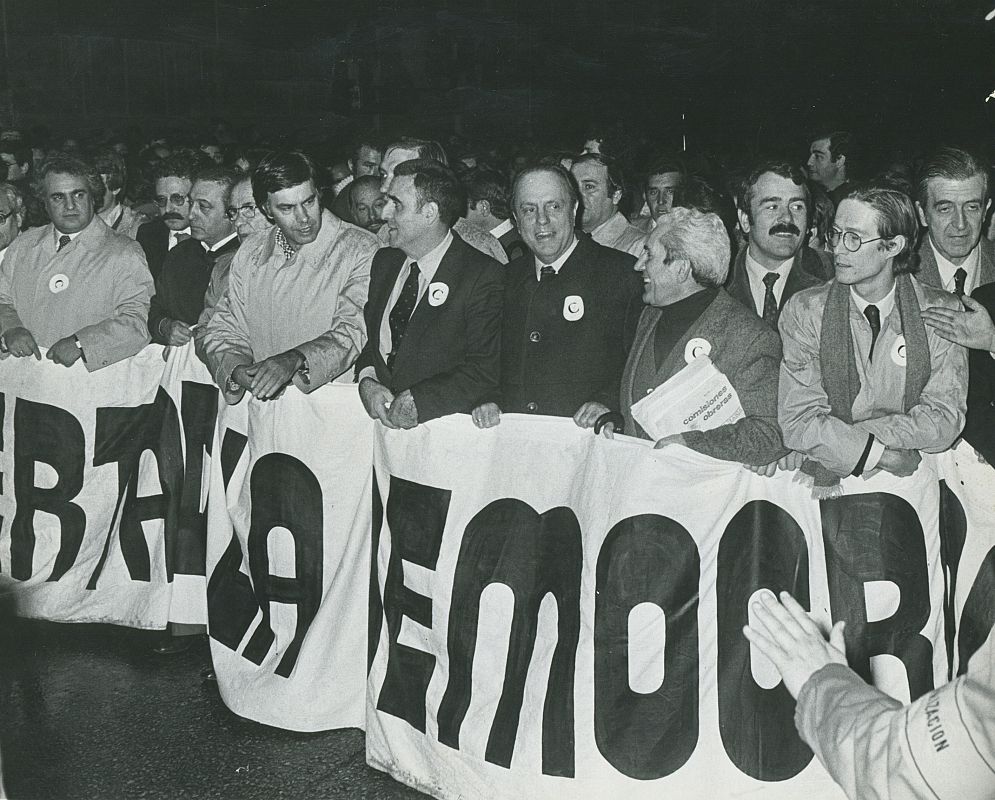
x=953, y=534
x=878, y=537
x=285, y=494
x=187, y=552
x=533, y=554
x=122, y=435
x=978, y=617
x=53, y=436
x=375, y=614
x=646, y=559
x=231, y=603
x=416, y=516
x=762, y=547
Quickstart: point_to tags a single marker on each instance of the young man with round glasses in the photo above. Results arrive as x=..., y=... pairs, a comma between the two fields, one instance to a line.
x=864, y=384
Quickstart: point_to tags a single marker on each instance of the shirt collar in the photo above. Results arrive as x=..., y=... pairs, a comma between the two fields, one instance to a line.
x=757, y=270
x=173, y=234
x=428, y=264
x=222, y=243
x=57, y=235
x=885, y=304
x=558, y=264
x=500, y=230
x=947, y=269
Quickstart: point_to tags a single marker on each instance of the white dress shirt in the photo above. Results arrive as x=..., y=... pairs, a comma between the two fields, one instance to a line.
x=947, y=269
x=885, y=306
x=172, y=241
x=556, y=265
x=758, y=289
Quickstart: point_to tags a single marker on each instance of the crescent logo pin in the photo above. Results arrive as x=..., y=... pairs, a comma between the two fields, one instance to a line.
x=898, y=352
x=438, y=293
x=58, y=283
x=696, y=348
x=573, y=307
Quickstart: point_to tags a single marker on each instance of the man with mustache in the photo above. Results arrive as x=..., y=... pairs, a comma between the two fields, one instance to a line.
x=171, y=180
x=293, y=311
x=773, y=212
x=366, y=202
x=73, y=286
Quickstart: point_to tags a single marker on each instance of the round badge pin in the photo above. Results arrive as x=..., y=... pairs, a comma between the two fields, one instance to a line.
x=898, y=354
x=696, y=348
x=58, y=283
x=573, y=308
x=437, y=293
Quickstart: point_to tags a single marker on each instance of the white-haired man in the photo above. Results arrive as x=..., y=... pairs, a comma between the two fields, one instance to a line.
x=689, y=314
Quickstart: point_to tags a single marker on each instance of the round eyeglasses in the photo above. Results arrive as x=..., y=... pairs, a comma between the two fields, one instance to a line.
x=248, y=211
x=851, y=240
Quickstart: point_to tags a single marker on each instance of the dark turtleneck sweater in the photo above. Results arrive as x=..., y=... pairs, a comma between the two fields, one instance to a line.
x=675, y=321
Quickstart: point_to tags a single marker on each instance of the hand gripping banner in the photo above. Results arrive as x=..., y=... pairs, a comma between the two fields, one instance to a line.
x=74, y=499
x=289, y=559
x=557, y=615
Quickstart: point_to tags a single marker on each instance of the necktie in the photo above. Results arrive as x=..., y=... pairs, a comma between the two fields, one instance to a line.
x=63, y=241
x=546, y=271
x=770, y=302
x=960, y=278
x=874, y=318
x=400, y=314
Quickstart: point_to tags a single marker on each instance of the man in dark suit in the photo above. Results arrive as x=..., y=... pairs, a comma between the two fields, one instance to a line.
x=434, y=310
x=952, y=204
x=172, y=179
x=775, y=264
x=487, y=196
x=565, y=306
x=186, y=270
x=689, y=315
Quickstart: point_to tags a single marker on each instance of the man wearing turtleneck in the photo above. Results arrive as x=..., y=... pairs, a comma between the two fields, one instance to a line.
x=688, y=315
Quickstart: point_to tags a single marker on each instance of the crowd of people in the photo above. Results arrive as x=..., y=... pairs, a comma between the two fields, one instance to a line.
x=853, y=318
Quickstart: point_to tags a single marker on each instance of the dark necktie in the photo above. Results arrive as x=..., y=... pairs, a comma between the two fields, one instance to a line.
x=770, y=302
x=546, y=272
x=960, y=279
x=874, y=318
x=400, y=314
x=63, y=241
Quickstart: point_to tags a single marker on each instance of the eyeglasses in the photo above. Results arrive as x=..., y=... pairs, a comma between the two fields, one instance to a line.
x=851, y=240
x=5, y=217
x=173, y=199
x=248, y=210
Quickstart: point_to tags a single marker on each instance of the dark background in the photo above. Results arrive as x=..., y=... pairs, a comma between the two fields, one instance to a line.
x=747, y=75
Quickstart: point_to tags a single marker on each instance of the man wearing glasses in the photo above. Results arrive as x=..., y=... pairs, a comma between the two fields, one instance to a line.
x=172, y=180
x=187, y=268
x=864, y=384
x=73, y=286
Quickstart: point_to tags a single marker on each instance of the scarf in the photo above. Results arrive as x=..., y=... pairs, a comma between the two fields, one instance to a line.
x=839, y=375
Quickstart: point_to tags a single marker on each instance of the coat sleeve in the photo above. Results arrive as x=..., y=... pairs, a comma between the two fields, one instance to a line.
x=875, y=748
x=126, y=331
x=806, y=418
x=755, y=439
x=225, y=343
x=8, y=314
x=332, y=353
x=461, y=389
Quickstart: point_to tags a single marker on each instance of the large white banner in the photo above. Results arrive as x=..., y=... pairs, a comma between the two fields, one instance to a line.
x=557, y=615
x=289, y=566
x=81, y=536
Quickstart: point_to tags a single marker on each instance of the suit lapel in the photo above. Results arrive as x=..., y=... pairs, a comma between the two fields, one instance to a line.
x=704, y=328
x=798, y=278
x=643, y=339
x=424, y=313
x=739, y=286
x=929, y=273
x=986, y=262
